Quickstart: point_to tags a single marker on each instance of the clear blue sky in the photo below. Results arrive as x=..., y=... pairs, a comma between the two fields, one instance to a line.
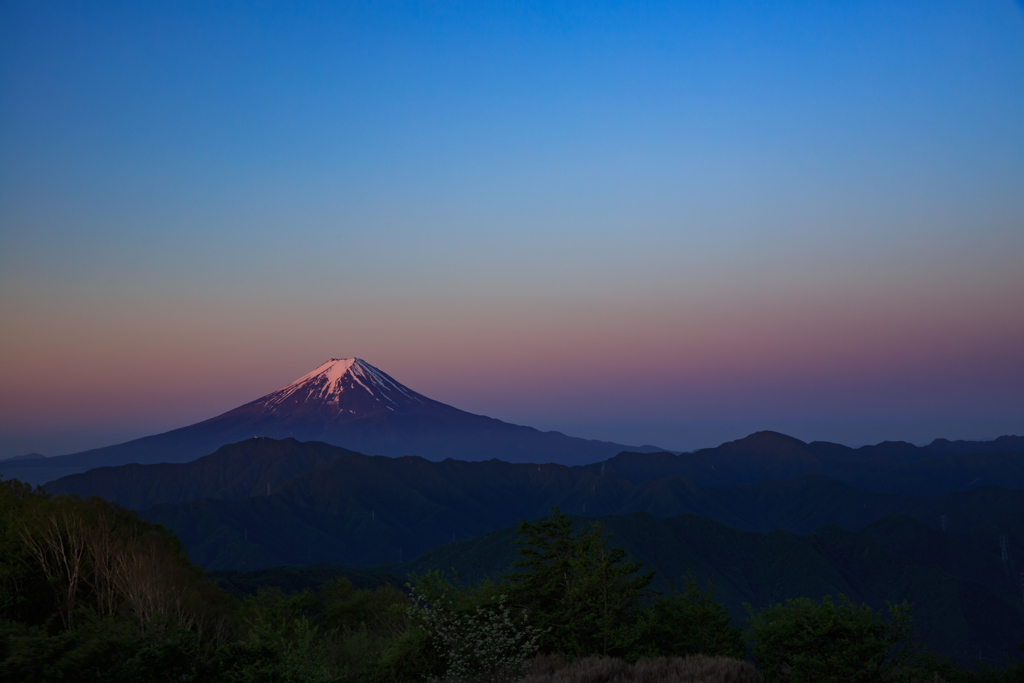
x=659, y=222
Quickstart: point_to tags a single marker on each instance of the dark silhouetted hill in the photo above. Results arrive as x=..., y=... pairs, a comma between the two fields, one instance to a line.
x=352, y=508
x=329, y=504
x=890, y=467
x=245, y=469
x=242, y=470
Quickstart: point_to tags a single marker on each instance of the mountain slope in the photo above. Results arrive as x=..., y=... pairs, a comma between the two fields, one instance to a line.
x=354, y=508
x=756, y=458
x=242, y=470
x=345, y=402
x=363, y=510
x=896, y=468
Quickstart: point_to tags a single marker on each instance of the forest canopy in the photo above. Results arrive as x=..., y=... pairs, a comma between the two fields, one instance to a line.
x=89, y=591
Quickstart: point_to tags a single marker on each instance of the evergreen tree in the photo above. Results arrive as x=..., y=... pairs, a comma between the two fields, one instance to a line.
x=585, y=595
x=690, y=622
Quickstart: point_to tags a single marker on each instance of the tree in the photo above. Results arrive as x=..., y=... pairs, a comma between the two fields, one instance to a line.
x=26, y=595
x=804, y=641
x=56, y=537
x=586, y=595
x=690, y=622
x=100, y=556
x=480, y=635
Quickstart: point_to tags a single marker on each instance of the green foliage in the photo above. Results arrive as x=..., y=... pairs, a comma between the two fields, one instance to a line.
x=297, y=578
x=586, y=596
x=340, y=634
x=370, y=633
x=99, y=557
x=927, y=666
x=278, y=643
x=381, y=612
x=690, y=622
x=804, y=641
x=480, y=635
x=99, y=649
x=88, y=591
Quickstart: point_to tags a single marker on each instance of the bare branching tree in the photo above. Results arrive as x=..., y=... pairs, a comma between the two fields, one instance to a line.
x=58, y=542
x=103, y=548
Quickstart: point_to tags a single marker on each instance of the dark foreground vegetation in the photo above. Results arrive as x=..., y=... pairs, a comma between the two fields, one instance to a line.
x=89, y=592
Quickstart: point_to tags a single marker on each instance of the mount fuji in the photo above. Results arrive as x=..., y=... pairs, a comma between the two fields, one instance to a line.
x=346, y=402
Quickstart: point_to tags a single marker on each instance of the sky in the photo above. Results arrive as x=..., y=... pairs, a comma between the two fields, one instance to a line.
x=653, y=223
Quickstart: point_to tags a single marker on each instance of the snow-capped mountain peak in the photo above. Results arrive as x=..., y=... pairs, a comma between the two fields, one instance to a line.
x=343, y=385
x=347, y=402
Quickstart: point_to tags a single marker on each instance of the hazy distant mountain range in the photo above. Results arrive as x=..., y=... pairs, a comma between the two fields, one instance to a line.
x=349, y=403
x=27, y=456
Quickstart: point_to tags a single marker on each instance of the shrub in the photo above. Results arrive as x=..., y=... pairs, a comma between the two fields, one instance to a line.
x=278, y=642
x=482, y=642
x=543, y=663
x=382, y=612
x=804, y=641
x=107, y=649
x=697, y=669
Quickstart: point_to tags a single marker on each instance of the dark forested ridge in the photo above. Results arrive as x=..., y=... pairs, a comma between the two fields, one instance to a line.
x=250, y=468
x=337, y=513
x=889, y=467
x=263, y=502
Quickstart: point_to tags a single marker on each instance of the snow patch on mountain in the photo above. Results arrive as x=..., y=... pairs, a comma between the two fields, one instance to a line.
x=331, y=380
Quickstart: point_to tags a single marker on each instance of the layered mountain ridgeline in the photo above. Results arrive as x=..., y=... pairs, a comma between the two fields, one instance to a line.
x=329, y=504
x=27, y=456
x=249, y=467
x=252, y=467
x=349, y=403
x=890, y=467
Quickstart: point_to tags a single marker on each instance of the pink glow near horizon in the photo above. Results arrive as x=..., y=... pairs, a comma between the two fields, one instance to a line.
x=830, y=357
